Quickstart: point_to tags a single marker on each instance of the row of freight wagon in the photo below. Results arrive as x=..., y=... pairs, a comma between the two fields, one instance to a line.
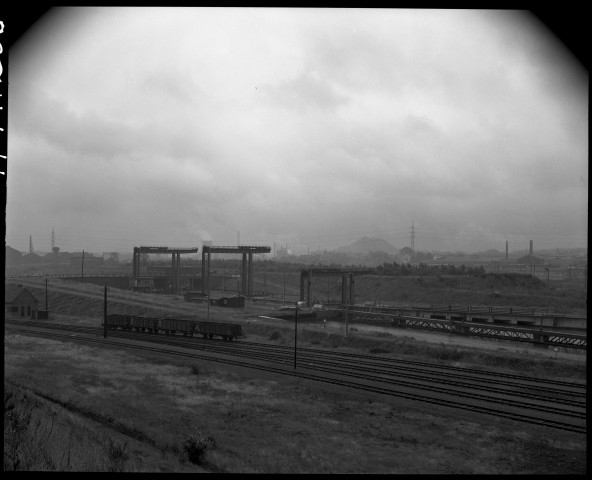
x=172, y=326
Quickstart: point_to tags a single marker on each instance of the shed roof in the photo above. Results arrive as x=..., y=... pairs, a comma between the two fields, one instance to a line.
x=14, y=292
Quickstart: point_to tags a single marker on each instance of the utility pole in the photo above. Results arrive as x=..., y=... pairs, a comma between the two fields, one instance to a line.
x=295, y=333
x=547, y=290
x=346, y=321
x=310, y=299
x=208, y=280
x=105, y=315
x=413, y=241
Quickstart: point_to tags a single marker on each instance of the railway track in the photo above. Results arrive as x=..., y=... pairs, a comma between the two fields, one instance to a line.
x=556, y=404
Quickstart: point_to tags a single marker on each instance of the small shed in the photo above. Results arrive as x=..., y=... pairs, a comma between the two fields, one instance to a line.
x=19, y=302
x=236, y=301
x=193, y=296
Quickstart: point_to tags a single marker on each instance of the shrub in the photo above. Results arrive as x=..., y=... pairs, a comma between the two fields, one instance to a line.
x=378, y=350
x=195, y=448
x=453, y=354
x=117, y=456
x=16, y=426
x=275, y=335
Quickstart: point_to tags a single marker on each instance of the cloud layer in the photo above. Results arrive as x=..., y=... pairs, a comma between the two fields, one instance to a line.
x=172, y=126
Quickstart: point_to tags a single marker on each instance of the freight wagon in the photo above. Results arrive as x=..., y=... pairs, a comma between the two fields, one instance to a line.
x=227, y=331
x=173, y=326
x=123, y=322
x=144, y=324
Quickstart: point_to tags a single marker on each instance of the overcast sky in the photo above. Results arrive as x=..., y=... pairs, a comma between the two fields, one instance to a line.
x=311, y=128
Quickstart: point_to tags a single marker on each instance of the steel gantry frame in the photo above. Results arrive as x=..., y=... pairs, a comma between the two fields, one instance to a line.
x=246, y=251
x=347, y=282
x=175, y=261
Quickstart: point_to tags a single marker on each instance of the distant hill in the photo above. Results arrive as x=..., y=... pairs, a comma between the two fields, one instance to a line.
x=366, y=245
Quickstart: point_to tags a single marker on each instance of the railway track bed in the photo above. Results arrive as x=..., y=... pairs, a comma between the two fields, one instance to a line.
x=551, y=403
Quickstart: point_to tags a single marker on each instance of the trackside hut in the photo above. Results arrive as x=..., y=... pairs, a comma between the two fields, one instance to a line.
x=19, y=302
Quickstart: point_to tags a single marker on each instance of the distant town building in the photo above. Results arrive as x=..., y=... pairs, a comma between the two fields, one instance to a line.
x=31, y=259
x=89, y=259
x=283, y=252
x=13, y=256
x=111, y=258
x=530, y=260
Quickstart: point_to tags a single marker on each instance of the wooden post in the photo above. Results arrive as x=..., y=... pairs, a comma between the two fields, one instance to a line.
x=346, y=322
x=105, y=315
x=295, y=334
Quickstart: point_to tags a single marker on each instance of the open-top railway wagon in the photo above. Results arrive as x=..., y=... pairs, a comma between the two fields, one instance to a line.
x=173, y=326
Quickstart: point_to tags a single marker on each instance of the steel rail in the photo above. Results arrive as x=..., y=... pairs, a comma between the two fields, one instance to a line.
x=376, y=366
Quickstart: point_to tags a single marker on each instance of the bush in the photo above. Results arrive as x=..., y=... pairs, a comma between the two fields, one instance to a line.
x=117, y=456
x=453, y=354
x=378, y=350
x=26, y=436
x=275, y=335
x=16, y=426
x=195, y=448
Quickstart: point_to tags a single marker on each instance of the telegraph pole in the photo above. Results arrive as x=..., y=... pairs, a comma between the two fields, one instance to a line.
x=346, y=319
x=547, y=290
x=105, y=315
x=295, y=334
x=413, y=241
x=208, y=281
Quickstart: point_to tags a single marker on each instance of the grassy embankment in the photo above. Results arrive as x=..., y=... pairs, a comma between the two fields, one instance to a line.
x=197, y=416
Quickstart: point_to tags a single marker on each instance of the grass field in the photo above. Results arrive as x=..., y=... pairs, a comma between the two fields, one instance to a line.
x=71, y=407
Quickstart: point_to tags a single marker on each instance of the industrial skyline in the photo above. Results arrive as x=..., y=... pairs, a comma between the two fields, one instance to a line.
x=284, y=249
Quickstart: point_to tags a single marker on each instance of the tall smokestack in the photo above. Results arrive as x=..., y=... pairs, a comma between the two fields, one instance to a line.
x=506, y=249
x=531, y=260
x=30, y=244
